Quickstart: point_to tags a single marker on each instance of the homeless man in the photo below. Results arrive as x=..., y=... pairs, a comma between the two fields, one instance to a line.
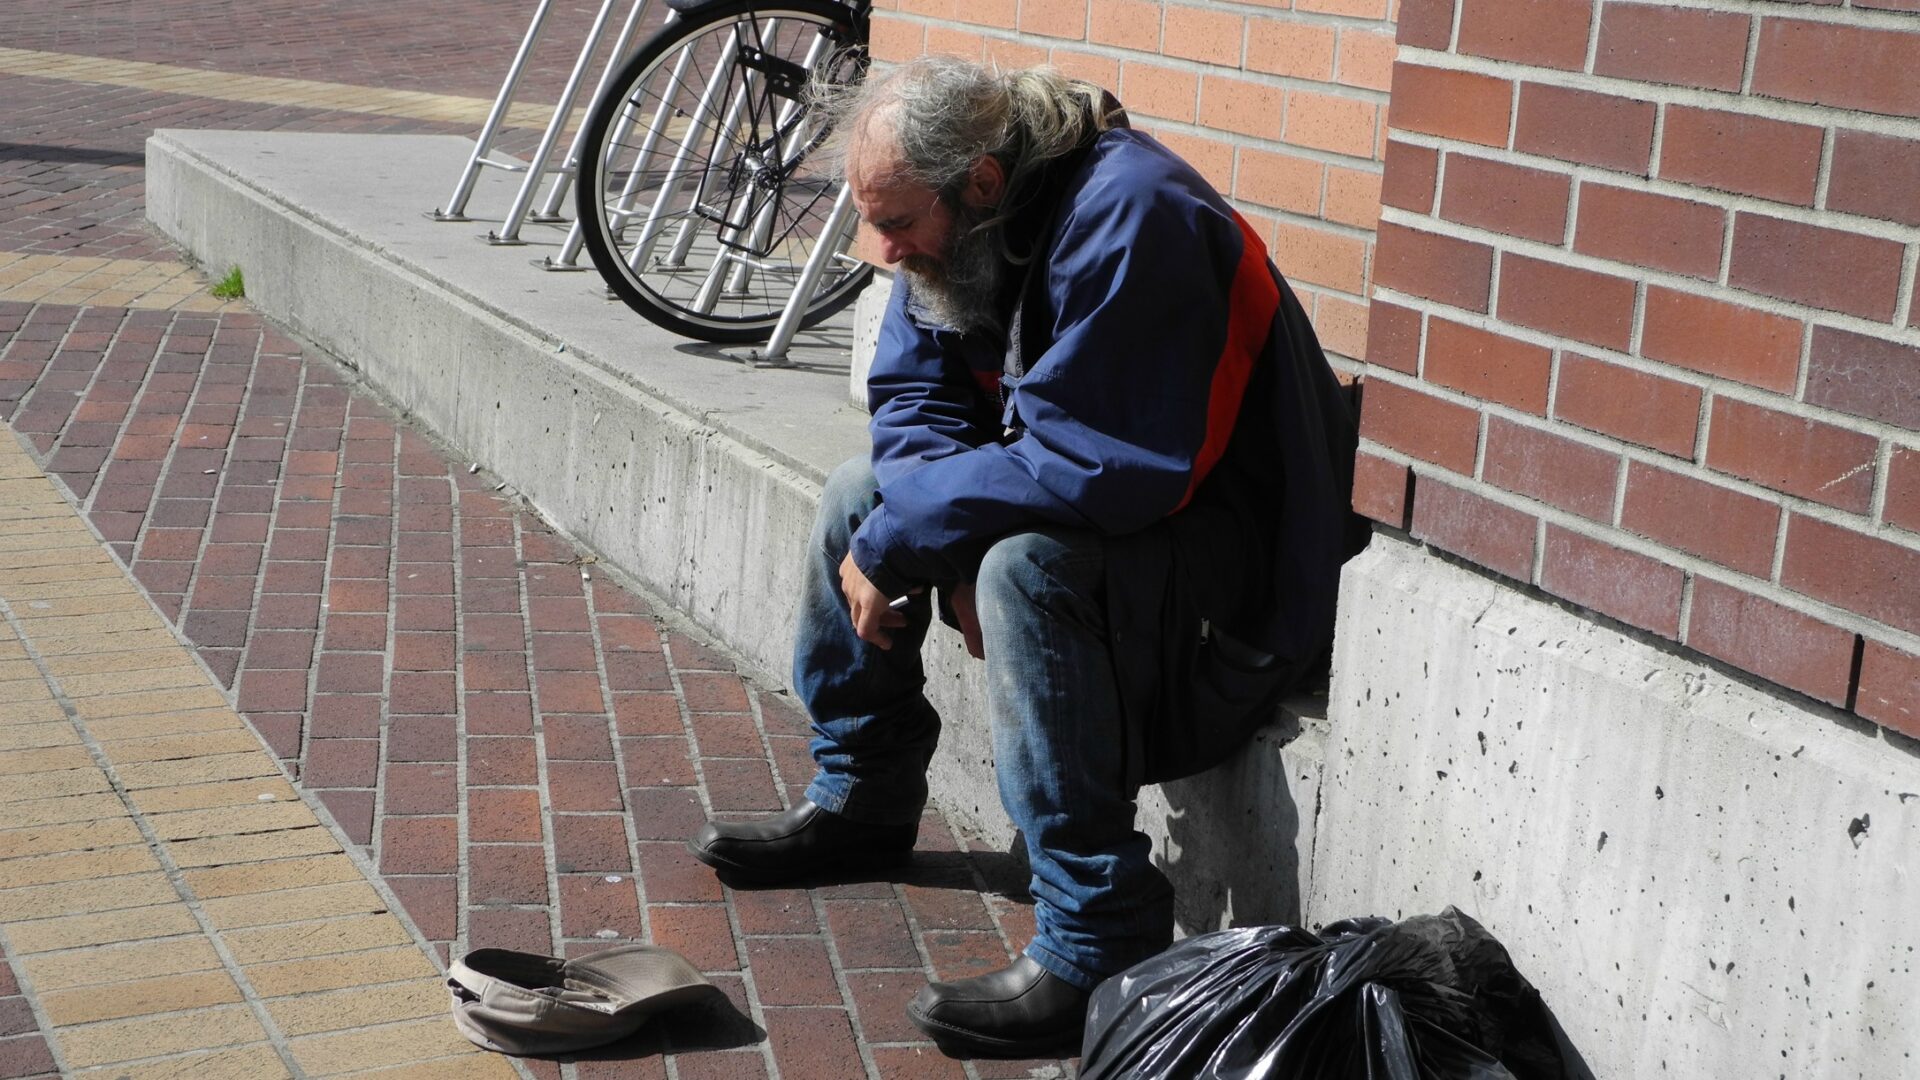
x=1104, y=433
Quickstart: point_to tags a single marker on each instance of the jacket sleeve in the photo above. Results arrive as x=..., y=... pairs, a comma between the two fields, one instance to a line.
x=1112, y=413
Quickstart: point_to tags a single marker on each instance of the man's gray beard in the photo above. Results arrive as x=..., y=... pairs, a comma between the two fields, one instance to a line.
x=963, y=289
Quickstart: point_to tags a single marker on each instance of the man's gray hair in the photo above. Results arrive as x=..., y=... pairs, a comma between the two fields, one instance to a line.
x=927, y=121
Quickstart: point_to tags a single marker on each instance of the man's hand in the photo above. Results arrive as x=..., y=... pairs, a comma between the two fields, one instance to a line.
x=961, y=597
x=873, y=620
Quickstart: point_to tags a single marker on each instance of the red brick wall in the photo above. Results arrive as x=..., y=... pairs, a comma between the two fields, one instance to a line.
x=1281, y=103
x=1644, y=322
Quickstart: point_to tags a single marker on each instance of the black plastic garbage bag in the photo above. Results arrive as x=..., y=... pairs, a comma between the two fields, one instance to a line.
x=1431, y=998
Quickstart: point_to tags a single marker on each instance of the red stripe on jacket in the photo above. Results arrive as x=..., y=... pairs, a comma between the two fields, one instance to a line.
x=1251, y=305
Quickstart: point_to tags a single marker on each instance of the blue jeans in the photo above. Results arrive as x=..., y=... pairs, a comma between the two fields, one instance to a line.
x=1100, y=905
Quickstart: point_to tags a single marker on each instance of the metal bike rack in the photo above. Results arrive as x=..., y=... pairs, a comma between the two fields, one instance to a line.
x=456, y=208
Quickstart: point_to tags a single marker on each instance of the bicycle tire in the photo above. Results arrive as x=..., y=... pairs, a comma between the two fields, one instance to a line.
x=685, y=71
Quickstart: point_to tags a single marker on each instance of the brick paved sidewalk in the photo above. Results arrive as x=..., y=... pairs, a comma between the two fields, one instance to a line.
x=520, y=745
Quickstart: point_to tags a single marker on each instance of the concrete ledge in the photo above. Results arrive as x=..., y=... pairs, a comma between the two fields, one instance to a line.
x=695, y=475
x=1706, y=879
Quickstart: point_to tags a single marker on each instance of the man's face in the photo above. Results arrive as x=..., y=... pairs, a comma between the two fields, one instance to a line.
x=955, y=268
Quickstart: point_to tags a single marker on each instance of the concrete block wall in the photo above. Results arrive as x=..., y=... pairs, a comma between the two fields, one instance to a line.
x=1281, y=105
x=1645, y=330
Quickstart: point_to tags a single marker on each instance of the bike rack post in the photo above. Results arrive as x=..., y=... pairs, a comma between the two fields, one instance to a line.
x=828, y=248
x=456, y=208
x=563, y=177
x=509, y=231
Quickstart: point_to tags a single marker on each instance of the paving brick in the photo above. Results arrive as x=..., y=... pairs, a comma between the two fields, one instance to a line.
x=600, y=906
x=583, y=842
x=506, y=874
x=393, y=963
x=813, y=1043
x=524, y=931
x=426, y=788
x=671, y=875
x=792, y=971
x=126, y=1040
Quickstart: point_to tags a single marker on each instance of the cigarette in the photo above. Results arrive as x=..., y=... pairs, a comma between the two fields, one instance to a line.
x=899, y=603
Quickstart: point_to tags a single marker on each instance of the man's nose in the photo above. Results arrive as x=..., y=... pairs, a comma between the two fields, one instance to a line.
x=893, y=249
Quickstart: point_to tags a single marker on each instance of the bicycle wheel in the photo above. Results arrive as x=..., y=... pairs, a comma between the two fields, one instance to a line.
x=697, y=200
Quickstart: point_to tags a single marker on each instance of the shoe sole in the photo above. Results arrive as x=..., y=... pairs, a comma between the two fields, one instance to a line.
x=960, y=1043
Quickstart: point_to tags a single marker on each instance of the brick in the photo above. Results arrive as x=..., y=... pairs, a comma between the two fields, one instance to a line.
x=1365, y=59
x=499, y=713
x=1393, y=337
x=421, y=692
x=1864, y=376
x=1282, y=181
x=1875, y=175
x=1202, y=34
x=428, y=788
x=350, y=673
x=1425, y=24
x=1861, y=573
x=1155, y=90
x=1510, y=199
x=1804, y=457
x=1740, y=152
x=584, y=786
x=1566, y=301
x=893, y=40
x=141, y=997
x=495, y=670
x=1126, y=24
x=1681, y=46
x=813, y=1044
x=1646, y=229
x=1625, y=585
x=420, y=845
x=565, y=692
x=1331, y=122
x=1729, y=527
x=501, y=760
x=1558, y=471
x=1353, y=197
x=1291, y=48
x=1488, y=365
x=422, y=738
x=1811, y=264
x=1054, y=18
x=1543, y=33
x=1451, y=104
x=1212, y=157
x=792, y=971
x=584, y=843
x=506, y=874
x=1421, y=426
x=1903, y=488
x=1720, y=338
x=700, y=932
x=1320, y=256
x=727, y=735
x=1603, y=130
x=1474, y=527
x=1408, y=181
x=1889, y=692
x=671, y=875
x=1771, y=640
x=1849, y=67
x=1633, y=405
x=665, y=813
x=1355, y=9
x=1441, y=268
x=1242, y=106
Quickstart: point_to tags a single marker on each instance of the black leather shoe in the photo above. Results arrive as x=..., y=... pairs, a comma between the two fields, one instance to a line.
x=798, y=843
x=1020, y=1011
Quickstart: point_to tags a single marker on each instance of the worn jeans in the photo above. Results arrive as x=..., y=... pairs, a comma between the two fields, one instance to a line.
x=1099, y=903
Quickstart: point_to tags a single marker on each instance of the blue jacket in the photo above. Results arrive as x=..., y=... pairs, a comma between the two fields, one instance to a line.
x=1173, y=394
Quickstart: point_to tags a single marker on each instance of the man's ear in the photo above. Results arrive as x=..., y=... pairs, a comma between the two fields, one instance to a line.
x=986, y=183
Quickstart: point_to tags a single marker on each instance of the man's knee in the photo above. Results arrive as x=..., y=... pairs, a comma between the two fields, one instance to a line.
x=845, y=501
x=1042, y=569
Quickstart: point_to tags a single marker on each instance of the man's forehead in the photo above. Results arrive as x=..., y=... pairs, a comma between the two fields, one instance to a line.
x=879, y=202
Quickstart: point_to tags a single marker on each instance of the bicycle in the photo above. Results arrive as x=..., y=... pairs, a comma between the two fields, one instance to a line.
x=698, y=203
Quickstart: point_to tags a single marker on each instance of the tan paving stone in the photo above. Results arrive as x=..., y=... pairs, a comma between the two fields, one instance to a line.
x=268, y=876
x=150, y=701
x=64, y=810
x=152, y=1036
x=360, y=1006
x=35, y=575
x=47, y=869
x=250, y=817
x=53, y=785
x=92, y=894
x=146, y=774
x=33, y=612
x=173, y=723
x=396, y=1044
x=102, y=928
x=259, y=1062
x=62, y=555
x=468, y=1066
x=292, y=942
x=37, y=736
x=111, y=622
x=100, y=644
x=295, y=905
x=178, y=747
x=203, y=796
x=335, y=972
x=252, y=847
x=121, y=963
x=177, y=674
x=109, y=663
x=141, y=997
x=84, y=587
x=31, y=705
x=51, y=759
x=80, y=836
x=20, y=669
